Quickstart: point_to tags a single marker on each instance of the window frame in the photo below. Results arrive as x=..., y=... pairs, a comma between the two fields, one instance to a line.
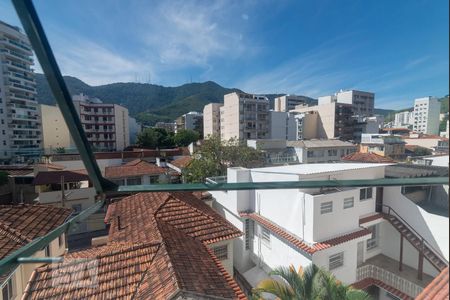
x=326, y=207
x=10, y=288
x=372, y=242
x=346, y=200
x=221, y=252
x=265, y=236
x=364, y=194
x=336, y=261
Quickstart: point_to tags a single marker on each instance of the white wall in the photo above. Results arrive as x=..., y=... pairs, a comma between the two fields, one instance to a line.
x=227, y=263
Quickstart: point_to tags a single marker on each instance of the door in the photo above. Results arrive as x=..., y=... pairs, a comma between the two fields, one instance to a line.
x=360, y=253
x=379, y=200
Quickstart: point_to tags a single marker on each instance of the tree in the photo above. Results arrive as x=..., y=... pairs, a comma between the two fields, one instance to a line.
x=155, y=138
x=60, y=150
x=422, y=151
x=215, y=156
x=185, y=136
x=309, y=283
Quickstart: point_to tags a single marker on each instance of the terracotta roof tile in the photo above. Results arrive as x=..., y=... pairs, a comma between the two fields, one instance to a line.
x=437, y=289
x=367, y=157
x=16, y=170
x=54, y=177
x=51, y=166
x=300, y=244
x=136, y=167
x=182, y=162
x=19, y=224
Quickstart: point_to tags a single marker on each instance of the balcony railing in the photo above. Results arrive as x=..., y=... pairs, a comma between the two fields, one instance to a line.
x=389, y=278
x=217, y=179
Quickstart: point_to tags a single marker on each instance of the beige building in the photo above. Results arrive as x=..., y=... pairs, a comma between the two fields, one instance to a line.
x=244, y=116
x=289, y=102
x=333, y=121
x=106, y=126
x=211, y=119
x=426, y=115
x=362, y=102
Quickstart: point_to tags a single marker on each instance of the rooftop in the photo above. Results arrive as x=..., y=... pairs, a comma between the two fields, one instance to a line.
x=55, y=177
x=17, y=170
x=367, y=157
x=319, y=143
x=137, y=167
x=438, y=289
x=182, y=162
x=20, y=224
x=307, y=169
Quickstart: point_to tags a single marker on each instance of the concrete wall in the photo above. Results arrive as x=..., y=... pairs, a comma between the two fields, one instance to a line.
x=55, y=132
x=211, y=119
x=122, y=127
x=227, y=263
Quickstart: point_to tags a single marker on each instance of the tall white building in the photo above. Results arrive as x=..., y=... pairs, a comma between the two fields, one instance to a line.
x=191, y=121
x=404, y=119
x=244, y=116
x=426, y=115
x=20, y=125
x=211, y=119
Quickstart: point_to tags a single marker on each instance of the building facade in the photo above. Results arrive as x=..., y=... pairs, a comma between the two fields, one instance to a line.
x=289, y=102
x=321, y=151
x=404, y=119
x=426, y=115
x=385, y=145
x=244, y=116
x=106, y=126
x=363, y=102
x=282, y=126
x=334, y=120
x=211, y=119
x=20, y=122
x=169, y=126
x=191, y=121
x=338, y=229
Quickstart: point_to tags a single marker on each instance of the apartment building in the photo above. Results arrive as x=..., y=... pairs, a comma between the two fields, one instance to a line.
x=169, y=126
x=289, y=102
x=404, y=119
x=134, y=128
x=20, y=125
x=106, y=126
x=321, y=151
x=383, y=144
x=20, y=224
x=306, y=125
x=362, y=102
x=334, y=120
x=426, y=115
x=368, y=237
x=282, y=126
x=244, y=116
x=211, y=119
x=192, y=121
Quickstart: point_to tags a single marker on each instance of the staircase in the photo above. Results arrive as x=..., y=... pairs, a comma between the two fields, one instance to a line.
x=412, y=236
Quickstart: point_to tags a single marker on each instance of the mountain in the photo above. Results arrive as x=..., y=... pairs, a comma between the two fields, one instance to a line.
x=148, y=102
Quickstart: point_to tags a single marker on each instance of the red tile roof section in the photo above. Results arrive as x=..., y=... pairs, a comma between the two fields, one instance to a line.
x=370, y=218
x=134, y=168
x=367, y=157
x=19, y=224
x=55, y=177
x=51, y=166
x=16, y=170
x=437, y=289
x=301, y=245
x=367, y=282
x=182, y=162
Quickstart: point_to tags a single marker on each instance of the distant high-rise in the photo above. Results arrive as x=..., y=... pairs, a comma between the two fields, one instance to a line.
x=244, y=116
x=426, y=115
x=192, y=121
x=211, y=119
x=20, y=124
x=362, y=102
x=404, y=119
x=289, y=102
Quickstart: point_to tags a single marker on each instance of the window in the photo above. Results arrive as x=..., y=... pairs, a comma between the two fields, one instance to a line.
x=47, y=251
x=134, y=181
x=332, y=152
x=61, y=240
x=349, y=202
x=265, y=235
x=373, y=241
x=221, y=252
x=326, y=207
x=310, y=153
x=249, y=230
x=9, y=290
x=336, y=261
x=365, y=194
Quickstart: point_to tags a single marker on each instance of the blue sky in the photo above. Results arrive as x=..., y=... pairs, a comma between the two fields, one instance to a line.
x=397, y=49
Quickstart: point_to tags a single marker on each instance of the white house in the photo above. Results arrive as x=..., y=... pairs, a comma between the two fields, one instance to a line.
x=339, y=229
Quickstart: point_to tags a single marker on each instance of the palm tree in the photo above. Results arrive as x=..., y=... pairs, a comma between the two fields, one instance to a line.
x=307, y=284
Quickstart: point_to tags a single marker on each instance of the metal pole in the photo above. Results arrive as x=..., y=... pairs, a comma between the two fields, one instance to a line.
x=41, y=46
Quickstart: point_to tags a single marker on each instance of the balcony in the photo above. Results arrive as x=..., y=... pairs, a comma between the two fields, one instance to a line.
x=17, y=55
x=385, y=269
